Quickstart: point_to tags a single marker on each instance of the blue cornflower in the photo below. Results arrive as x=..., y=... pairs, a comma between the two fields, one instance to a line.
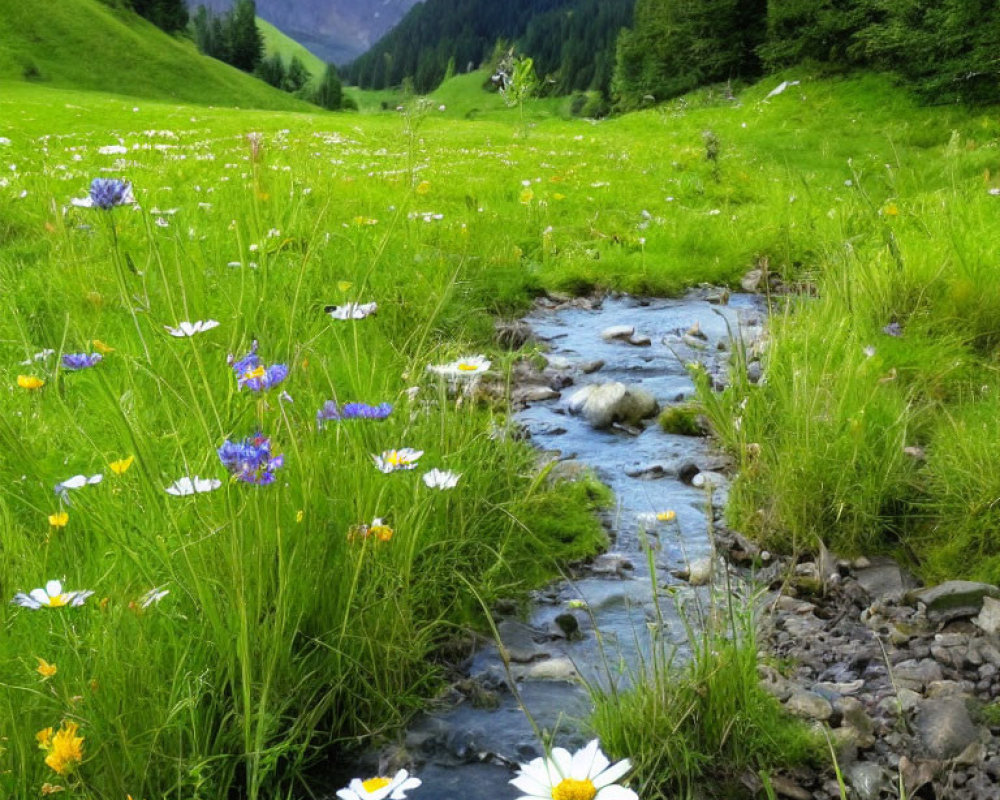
x=250, y=372
x=250, y=460
x=107, y=193
x=330, y=411
x=80, y=360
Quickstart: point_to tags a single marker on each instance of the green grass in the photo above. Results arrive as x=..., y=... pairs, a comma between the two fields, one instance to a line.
x=278, y=43
x=85, y=44
x=281, y=638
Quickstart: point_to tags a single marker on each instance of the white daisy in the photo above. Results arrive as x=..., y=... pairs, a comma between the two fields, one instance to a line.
x=41, y=355
x=467, y=368
x=392, y=460
x=185, y=486
x=394, y=788
x=352, y=310
x=191, y=328
x=76, y=482
x=52, y=596
x=585, y=775
x=153, y=596
x=441, y=479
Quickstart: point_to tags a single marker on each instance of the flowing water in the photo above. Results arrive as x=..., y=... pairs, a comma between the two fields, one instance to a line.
x=468, y=751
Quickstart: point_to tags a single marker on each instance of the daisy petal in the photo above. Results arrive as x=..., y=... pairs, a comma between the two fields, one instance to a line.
x=612, y=773
x=616, y=792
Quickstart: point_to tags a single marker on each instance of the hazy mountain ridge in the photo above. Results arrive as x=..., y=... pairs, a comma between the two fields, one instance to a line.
x=335, y=30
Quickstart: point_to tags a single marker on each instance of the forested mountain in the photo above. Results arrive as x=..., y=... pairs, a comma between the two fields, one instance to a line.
x=571, y=41
x=947, y=50
x=335, y=30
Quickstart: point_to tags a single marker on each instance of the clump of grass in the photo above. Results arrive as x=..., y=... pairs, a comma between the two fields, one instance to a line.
x=683, y=419
x=693, y=725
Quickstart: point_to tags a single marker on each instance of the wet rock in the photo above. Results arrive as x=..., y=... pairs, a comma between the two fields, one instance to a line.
x=944, y=727
x=867, y=780
x=854, y=716
x=754, y=372
x=648, y=472
x=554, y=669
x=610, y=564
x=569, y=625
x=693, y=342
x=786, y=787
x=607, y=403
x=639, y=340
x=532, y=394
x=912, y=674
x=558, y=362
x=698, y=572
x=809, y=705
x=687, y=471
x=617, y=332
x=518, y=641
x=587, y=367
x=988, y=619
x=695, y=332
x=953, y=599
x=706, y=479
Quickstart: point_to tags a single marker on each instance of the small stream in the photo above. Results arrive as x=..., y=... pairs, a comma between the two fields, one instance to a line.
x=468, y=751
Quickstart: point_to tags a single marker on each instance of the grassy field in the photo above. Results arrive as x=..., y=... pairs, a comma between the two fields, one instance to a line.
x=277, y=43
x=289, y=625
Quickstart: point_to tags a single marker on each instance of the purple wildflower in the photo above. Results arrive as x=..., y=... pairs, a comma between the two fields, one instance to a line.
x=893, y=329
x=80, y=360
x=250, y=372
x=330, y=411
x=250, y=460
x=106, y=193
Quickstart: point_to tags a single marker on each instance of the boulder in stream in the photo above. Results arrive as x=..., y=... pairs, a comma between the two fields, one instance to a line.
x=604, y=404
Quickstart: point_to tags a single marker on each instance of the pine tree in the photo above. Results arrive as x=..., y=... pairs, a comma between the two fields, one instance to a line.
x=246, y=44
x=297, y=76
x=330, y=93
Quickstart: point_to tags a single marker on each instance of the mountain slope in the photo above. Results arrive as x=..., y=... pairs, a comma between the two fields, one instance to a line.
x=335, y=30
x=278, y=43
x=572, y=41
x=84, y=44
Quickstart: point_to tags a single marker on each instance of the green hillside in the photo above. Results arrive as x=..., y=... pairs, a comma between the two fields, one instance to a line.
x=278, y=43
x=84, y=44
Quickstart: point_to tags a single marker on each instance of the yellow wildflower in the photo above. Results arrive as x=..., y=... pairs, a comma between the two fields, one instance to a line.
x=45, y=669
x=527, y=196
x=52, y=788
x=30, y=382
x=101, y=347
x=423, y=187
x=59, y=519
x=300, y=515
x=666, y=516
x=65, y=748
x=343, y=286
x=120, y=467
x=44, y=738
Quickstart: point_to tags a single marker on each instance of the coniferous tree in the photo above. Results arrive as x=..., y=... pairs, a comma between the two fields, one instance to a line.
x=297, y=76
x=246, y=44
x=330, y=93
x=272, y=70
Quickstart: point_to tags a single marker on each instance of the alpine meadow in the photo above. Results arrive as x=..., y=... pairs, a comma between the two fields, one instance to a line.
x=273, y=332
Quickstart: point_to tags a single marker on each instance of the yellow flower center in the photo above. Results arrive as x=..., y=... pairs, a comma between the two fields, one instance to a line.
x=382, y=532
x=666, y=516
x=374, y=784
x=258, y=372
x=57, y=601
x=569, y=789
x=466, y=367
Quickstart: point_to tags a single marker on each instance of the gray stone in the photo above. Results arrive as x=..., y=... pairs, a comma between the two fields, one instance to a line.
x=518, y=642
x=884, y=578
x=554, y=669
x=809, y=705
x=533, y=394
x=751, y=281
x=617, y=332
x=511, y=334
x=705, y=479
x=827, y=688
x=700, y=571
x=606, y=403
x=867, y=780
x=953, y=599
x=696, y=332
x=587, y=367
x=944, y=727
x=912, y=674
x=639, y=340
x=945, y=689
x=988, y=618
x=693, y=342
x=754, y=372
x=610, y=564
x=558, y=362
x=569, y=625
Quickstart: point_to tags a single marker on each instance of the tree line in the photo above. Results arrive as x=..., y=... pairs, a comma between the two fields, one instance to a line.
x=946, y=50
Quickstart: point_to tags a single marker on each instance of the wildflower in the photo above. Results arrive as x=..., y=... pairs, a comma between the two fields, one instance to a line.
x=52, y=788
x=300, y=515
x=394, y=788
x=892, y=210
x=666, y=516
x=254, y=375
x=101, y=347
x=331, y=412
x=380, y=530
x=467, y=368
x=106, y=193
x=76, y=482
x=585, y=775
x=121, y=466
x=441, y=479
x=392, y=460
x=352, y=310
x=52, y=596
x=869, y=351
x=191, y=328
x=186, y=485
x=423, y=187
x=250, y=460
x=576, y=603
x=59, y=519
x=45, y=669
x=80, y=360
x=153, y=596
x=64, y=748
x=893, y=329
x=30, y=382
x=41, y=355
